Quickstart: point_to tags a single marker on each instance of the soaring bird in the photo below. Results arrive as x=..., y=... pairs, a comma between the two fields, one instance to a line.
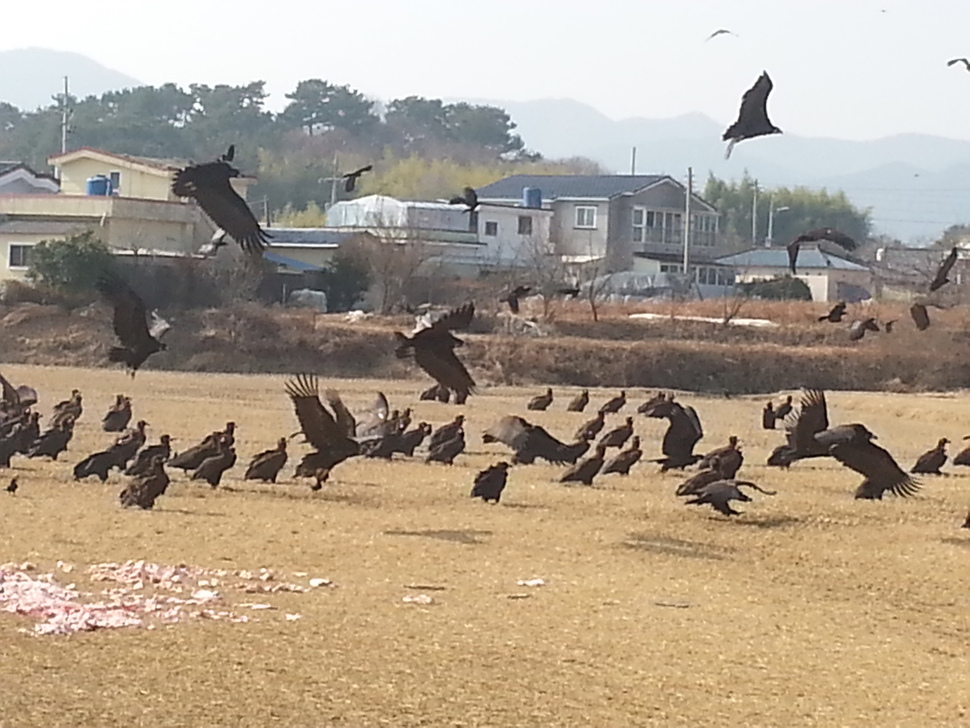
x=954, y=61
x=468, y=198
x=809, y=236
x=434, y=350
x=836, y=314
x=267, y=465
x=208, y=184
x=720, y=493
x=530, y=441
x=118, y=415
x=930, y=462
x=753, y=117
x=138, y=340
x=332, y=443
x=858, y=329
x=514, y=296
x=881, y=472
x=579, y=402
x=541, y=401
x=490, y=483
x=940, y=279
x=682, y=434
x=720, y=31
x=352, y=177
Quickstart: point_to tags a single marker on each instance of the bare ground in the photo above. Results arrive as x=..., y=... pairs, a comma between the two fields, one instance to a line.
x=810, y=609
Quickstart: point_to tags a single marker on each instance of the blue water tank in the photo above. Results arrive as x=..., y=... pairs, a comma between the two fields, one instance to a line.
x=99, y=185
x=532, y=197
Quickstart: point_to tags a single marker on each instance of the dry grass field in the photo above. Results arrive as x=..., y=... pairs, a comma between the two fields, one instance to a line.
x=810, y=609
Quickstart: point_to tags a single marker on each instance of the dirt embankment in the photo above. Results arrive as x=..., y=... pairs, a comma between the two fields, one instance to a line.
x=618, y=351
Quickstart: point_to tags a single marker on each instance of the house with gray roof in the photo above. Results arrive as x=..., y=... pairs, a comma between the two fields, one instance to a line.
x=16, y=178
x=630, y=222
x=829, y=276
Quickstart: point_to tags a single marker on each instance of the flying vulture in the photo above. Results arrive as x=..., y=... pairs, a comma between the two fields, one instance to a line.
x=858, y=329
x=208, y=184
x=753, y=117
x=138, y=340
x=940, y=279
x=352, y=177
x=512, y=297
x=836, y=314
x=720, y=31
x=830, y=234
x=434, y=350
x=954, y=61
x=333, y=444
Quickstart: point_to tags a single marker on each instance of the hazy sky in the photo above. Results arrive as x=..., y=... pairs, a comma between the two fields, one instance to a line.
x=855, y=69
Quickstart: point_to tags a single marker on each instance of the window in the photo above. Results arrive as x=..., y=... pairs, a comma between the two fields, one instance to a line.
x=491, y=228
x=18, y=256
x=655, y=219
x=672, y=220
x=671, y=268
x=585, y=217
x=473, y=221
x=525, y=225
x=639, y=218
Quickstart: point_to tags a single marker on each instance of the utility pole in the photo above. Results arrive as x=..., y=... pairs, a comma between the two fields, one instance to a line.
x=771, y=220
x=65, y=114
x=686, y=226
x=633, y=162
x=333, y=182
x=754, y=215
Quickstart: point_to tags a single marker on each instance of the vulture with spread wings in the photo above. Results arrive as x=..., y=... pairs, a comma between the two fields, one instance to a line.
x=881, y=472
x=682, y=434
x=330, y=434
x=208, y=184
x=138, y=340
x=434, y=351
x=830, y=234
x=753, y=118
x=940, y=279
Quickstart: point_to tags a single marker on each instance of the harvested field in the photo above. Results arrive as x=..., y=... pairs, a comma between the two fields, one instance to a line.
x=809, y=609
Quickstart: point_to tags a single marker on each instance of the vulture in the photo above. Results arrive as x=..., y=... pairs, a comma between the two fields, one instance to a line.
x=720, y=493
x=784, y=409
x=138, y=340
x=208, y=184
x=267, y=465
x=682, y=434
x=100, y=464
x=836, y=314
x=434, y=350
x=332, y=443
x=512, y=297
x=921, y=316
x=376, y=421
x=954, y=61
x=768, y=417
x=212, y=468
x=831, y=234
x=753, y=116
x=614, y=405
x=447, y=432
x=719, y=31
x=930, y=462
x=618, y=436
x=68, y=409
x=888, y=326
x=54, y=441
x=129, y=443
x=940, y=279
x=579, y=402
x=446, y=451
x=15, y=401
x=12, y=487
x=727, y=460
x=352, y=177
x=540, y=402
x=695, y=483
x=23, y=437
x=623, y=461
x=966, y=523
x=961, y=458
x=437, y=392
x=877, y=465
x=409, y=441
x=591, y=429
x=192, y=458
x=143, y=461
x=490, y=483
x=144, y=490
x=118, y=415
x=650, y=403
x=858, y=329
x=812, y=419
x=585, y=471
x=530, y=441
x=468, y=198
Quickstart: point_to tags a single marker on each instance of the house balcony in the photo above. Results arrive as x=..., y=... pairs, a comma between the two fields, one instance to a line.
x=652, y=237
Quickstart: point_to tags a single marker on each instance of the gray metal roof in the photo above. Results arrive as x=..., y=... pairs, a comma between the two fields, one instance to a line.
x=311, y=237
x=289, y=262
x=808, y=258
x=554, y=186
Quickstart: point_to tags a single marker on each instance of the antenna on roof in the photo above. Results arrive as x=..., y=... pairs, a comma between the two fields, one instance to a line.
x=633, y=162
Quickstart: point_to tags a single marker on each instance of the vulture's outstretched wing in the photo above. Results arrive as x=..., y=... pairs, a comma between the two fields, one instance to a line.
x=881, y=472
x=812, y=417
x=830, y=234
x=208, y=184
x=442, y=365
x=130, y=324
x=318, y=425
x=940, y=279
x=345, y=420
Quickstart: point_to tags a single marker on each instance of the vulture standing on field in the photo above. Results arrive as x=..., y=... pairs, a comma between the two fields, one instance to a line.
x=434, y=351
x=208, y=184
x=836, y=314
x=830, y=234
x=13, y=485
x=753, y=116
x=333, y=444
x=214, y=466
x=530, y=441
x=579, y=402
x=930, y=462
x=352, y=177
x=727, y=460
x=589, y=430
x=54, y=441
x=624, y=460
x=585, y=471
x=540, y=402
x=144, y=490
x=118, y=415
x=618, y=436
x=963, y=457
x=784, y=409
x=267, y=465
x=447, y=432
x=490, y=483
x=682, y=434
x=720, y=493
x=614, y=405
x=940, y=279
x=143, y=461
x=768, y=417
x=138, y=340
x=858, y=329
x=445, y=451
x=70, y=409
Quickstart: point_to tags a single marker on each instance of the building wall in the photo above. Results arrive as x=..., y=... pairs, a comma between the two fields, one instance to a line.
x=134, y=182
x=570, y=240
x=507, y=246
x=22, y=186
x=822, y=284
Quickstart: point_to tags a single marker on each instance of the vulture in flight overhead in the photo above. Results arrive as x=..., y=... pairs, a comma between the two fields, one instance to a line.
x=352, y=177
x=830, y=234
x=858, y=329
x=468, y=198
x=138, y=340
x=720, y=31
x=208, y=184
x=954, y=61
x=434, y=350
x=940, y=279
x=753, y=117
x=836, y=314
